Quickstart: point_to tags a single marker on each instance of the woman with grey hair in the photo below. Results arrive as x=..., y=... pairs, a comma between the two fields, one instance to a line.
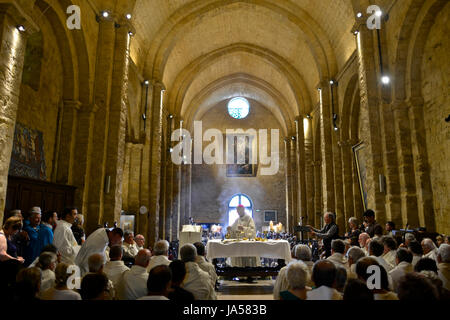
x=353, y=234
x=297, y=276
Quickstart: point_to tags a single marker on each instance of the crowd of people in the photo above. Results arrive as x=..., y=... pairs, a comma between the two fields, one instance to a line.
x=46, y=256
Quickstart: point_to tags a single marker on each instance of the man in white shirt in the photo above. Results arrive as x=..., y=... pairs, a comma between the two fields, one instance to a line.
x=47, y=263
x=324, y=277
x=301, y=252
x=203, y=264
x=160, y=255
x=134, y=281
x=158, y=283
x=97, y=242
x=130, y=248
x=429, y=249
x=115, y=268
x=140, y=241
x=197, y=281
x=354, y=254
x=390, y=251
x=404, y=266
x=63, y=237
x=96, y=263
x=337, y=253
x=443, y=259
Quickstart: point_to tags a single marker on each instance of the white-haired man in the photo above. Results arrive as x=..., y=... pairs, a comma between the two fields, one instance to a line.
x=134, y=282
x=429, y=249
x=160, y=255
x=197, y=281
x=140, y=241
x=328, y=233
x=300, y=252
x=443, y=259
x=297, y=276
x=96, y=263
x=353, y=255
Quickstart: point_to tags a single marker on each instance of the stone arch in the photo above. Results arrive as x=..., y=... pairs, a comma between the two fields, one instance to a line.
x=347, y=108
x=283, y=116
x=166, y=36
x=295, y=80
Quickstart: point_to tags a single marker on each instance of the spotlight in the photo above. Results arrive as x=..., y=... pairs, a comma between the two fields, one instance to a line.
x=144, y=117
x=385, y=79
x=331, y=82
x=293, y=137
x=170, y=150
x=336, y=128
x=128, y=16
x=379, y=13
x=130, y=33
x=308, y=116
x=105, y=14
x=146, y=82
x=21, y=28
x=170, y=116
x=356, y=32
x=359, y=15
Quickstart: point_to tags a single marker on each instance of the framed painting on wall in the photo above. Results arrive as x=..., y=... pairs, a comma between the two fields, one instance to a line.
x=360, y=160
x=241, y=160
x=127, y=222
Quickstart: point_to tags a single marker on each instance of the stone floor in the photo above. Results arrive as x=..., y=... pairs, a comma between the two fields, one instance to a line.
x=234, y=290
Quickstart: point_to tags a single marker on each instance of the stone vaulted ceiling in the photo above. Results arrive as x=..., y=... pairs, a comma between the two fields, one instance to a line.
x=272, y=51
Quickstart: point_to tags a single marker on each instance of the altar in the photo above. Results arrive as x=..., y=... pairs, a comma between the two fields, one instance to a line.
x=274, y=249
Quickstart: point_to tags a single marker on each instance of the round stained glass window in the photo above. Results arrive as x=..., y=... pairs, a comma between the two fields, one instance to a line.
x=238, y=108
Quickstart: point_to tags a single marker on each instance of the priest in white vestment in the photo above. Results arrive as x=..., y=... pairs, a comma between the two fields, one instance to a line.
x=244, y=227
x=160, y=255
x=97, y=242
x=133, y=284
x=63, y=237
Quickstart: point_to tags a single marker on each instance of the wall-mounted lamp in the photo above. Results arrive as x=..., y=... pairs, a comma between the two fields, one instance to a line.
x=146, y=82
x=170, y=116
x=359, y=15
x=130, y=33
x=308, y=116
x=105, y=14
x=293, y=138
x=21, y=28
x=128, y=16
x=385, y=80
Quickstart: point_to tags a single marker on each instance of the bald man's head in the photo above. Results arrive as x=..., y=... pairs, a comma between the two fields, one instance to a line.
x=96, y=262
x=143, y=258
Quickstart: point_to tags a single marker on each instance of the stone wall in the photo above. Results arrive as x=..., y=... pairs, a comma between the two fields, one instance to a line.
x=435, y=86
x=38, y=109
x=212, y=189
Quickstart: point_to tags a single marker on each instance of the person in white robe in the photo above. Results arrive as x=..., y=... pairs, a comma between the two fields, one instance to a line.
x=130, y=248
x=158, y=284
x=140, y=241
x=429, y=249
x=203, y=264
x=197, y=281
x=63, y=237
x=160, y=255
x=97, y=242
x=337, y=253
x=443, y=259
x=133, y=284
x=243, y=227
x=363, y=240
x=115, y=267
x=353, y=255
x=96, y=263
x=404, y=266
x=390, y=251
x=47, y=264
x=300, y=252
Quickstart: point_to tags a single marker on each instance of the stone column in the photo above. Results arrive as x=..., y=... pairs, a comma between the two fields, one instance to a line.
x=326, y=141
x=309, y=176
x=338, y=184
x=102, y=91
x=406, y=164
x=155, y=161
x=301, y=169
x=318, y=204
x=421, y=165
x=370, y=120
x=294, y=182
x=287, y=152
x=347, y=179
x=117, y=124
x=67, y=142
x=12, y=53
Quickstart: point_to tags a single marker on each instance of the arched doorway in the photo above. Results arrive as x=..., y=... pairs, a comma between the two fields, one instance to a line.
x=236, y=200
